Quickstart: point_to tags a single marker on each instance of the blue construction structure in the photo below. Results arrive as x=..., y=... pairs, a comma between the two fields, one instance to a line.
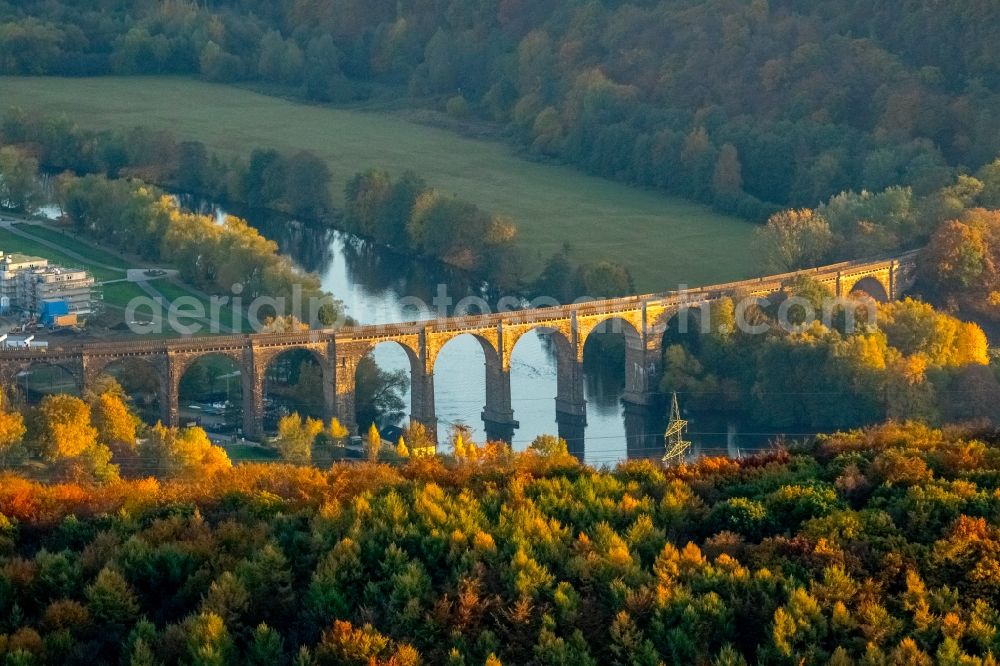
x=53, y=312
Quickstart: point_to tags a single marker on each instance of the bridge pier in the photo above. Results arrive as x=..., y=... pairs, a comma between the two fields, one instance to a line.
x=571, y=421
x=168, y=399
x=642, y=366
x=252, y=375
x=422, y=401
x=571, y=403
x=329, y=390
x=345, y=387
x=500, y=428
x=498, y=414
x=172, y=388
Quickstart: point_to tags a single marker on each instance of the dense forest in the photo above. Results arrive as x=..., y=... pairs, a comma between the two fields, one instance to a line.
x=749, y=105
x=870, y=547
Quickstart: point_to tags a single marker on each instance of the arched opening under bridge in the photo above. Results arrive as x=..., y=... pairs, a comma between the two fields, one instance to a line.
x=140, y=380
x=210, y=394
x=460, y=372
x=612, y=363
x=871, y=287
x=293, y=383
x=41, y=379
x=384, y=388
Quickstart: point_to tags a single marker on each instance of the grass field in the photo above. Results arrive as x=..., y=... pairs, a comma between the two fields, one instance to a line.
x=96, y=255
x=11, y=243
x=172, y=291
x=120, y=293
x=663, y=240
x=245, y=453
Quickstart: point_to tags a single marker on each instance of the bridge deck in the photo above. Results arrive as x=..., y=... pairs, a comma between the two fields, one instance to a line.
x=538, y=316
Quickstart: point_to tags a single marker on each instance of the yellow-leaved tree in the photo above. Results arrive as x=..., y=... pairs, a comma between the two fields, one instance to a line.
x=915, y=327
x=971, y=346
x=296, y=436
x=61, y=428
x=373, y=443
x=11, y=429
x=338, y=432
x=194, y=453
x=549, y=446
x=184, y=452
x=418, y=441
x=116, y=424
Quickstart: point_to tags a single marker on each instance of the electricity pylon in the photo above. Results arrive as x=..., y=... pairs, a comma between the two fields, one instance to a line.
x=673, y=438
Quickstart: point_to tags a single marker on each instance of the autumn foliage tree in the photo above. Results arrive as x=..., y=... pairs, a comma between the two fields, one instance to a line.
x=12, y=429
x=181, y=452
x=958, y=256
x=116, y=424
x=61, y=428
x=296, y=436
x=795, y=239
x=373, y=443
x=963, y=259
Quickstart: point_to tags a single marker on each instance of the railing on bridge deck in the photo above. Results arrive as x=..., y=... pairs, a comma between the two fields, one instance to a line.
x=468, y=322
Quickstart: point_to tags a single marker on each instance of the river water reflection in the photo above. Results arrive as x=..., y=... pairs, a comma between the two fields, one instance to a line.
x=380, y=286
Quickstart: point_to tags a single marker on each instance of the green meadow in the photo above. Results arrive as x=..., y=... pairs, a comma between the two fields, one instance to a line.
x=69, y=241
x=663, y=240
x=11, y=243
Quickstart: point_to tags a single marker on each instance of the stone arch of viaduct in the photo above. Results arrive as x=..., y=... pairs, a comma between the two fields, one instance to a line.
x=642, y=321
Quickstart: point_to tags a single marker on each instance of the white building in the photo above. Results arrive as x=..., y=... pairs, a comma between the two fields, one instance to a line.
x=10, y=266
x=26, y=282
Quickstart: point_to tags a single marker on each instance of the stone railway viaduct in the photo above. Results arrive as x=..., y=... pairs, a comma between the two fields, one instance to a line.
x=642, y=320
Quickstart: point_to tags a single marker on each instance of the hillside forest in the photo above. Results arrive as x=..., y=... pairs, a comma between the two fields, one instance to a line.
x=748, y=105
x=867, y=547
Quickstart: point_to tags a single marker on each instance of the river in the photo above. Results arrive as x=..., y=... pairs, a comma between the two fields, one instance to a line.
x=379, y=286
